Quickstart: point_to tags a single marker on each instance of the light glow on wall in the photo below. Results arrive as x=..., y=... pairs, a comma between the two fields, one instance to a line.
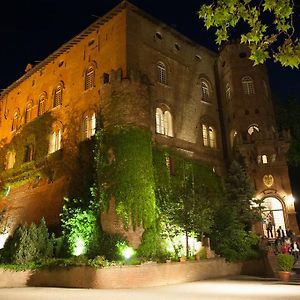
x=3, y=238
x=79, y=247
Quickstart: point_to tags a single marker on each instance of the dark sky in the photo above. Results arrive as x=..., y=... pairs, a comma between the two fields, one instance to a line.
x=32, y=29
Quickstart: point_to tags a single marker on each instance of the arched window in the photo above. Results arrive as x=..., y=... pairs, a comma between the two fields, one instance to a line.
x=212, y=137
x=228, y=92
x=161, y=73
x=272, y=211
x=168, y=123
x=209, y=136
x=57, y=100
x=205, y=90
x=264, y=159
x=55, y=139
x=253, y=128
x=159, y=117
x=89, y=78
x=88, y=125
x=41, y=104
x=164, y=122
x=248, y=85
x=15, y=120
x=10, y=159
x=28, y=112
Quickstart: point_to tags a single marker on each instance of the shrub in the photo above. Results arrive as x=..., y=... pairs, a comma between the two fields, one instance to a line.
x=29, y=243
x=285, y=262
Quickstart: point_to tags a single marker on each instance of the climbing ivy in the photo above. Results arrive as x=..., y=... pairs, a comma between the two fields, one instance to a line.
x=124, y=168
x=35, y=133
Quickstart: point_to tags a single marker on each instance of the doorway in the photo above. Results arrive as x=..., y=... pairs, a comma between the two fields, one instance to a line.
x=272, y=214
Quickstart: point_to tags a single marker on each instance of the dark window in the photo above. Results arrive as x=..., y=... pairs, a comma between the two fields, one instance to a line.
x=105, y=78
x=158, y=35
x=29, y=153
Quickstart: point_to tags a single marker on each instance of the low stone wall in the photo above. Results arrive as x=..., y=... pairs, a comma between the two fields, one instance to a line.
x=149, y=274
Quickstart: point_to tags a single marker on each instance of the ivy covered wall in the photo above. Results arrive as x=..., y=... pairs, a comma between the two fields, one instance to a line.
x=124, y=169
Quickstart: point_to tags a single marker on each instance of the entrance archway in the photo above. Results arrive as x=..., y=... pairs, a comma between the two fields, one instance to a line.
x=272, y=212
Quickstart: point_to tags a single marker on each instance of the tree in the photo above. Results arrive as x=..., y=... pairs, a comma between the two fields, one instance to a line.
x=191, y=202
x=231, y=236
x=268, y=27
x=240, y=195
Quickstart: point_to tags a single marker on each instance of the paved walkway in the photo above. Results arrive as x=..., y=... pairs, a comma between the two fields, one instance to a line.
x=239, y=288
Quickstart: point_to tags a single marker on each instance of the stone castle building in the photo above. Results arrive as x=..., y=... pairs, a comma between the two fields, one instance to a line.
x=206, y=105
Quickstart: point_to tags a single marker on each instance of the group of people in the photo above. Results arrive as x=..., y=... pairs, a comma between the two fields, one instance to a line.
x=286, y=242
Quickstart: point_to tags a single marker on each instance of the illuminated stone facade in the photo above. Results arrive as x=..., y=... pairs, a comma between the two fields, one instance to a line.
x=203, y=104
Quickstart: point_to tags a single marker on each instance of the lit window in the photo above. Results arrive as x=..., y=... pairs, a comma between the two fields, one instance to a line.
x=10, y=160
x=58, y=96
x=204, y=135
x=161, y=73
x=168, y=123
x=159, y=116
x=89, y=78
x=41, y=105
x=205, y=91
x=252, y=129
x=28, y=111
x=208, y=136
x=248, y=86
x=212, y=137
x=228, y=91
x=15, y=120
x=89, y=126
x=55, y=141
x=264, y=159
x=164, y=123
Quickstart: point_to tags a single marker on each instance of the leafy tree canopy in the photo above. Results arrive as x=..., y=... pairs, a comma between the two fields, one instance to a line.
x=269, y=27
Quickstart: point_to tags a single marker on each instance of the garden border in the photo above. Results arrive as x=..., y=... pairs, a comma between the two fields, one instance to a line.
x=145, y=275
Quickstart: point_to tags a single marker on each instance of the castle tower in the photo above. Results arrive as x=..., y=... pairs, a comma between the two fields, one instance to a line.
x=250, y=132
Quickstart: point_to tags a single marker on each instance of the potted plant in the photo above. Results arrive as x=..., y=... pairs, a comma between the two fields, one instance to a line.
x=285, y=264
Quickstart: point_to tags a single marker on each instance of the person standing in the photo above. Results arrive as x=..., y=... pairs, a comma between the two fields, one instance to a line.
x=295, y=250
x=270, y=229
x=281, y=234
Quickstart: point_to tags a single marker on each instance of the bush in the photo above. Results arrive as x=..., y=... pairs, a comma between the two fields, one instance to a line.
x=285, y=262
x=28, y=244
x=108, y=246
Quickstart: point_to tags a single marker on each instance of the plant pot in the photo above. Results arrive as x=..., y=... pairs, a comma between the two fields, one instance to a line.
x=284, y=276
x=182, y=259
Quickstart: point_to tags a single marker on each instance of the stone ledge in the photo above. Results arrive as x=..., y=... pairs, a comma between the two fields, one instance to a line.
x=145, y=275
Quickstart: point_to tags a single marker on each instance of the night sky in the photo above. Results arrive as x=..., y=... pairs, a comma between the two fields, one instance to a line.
x=34, y=29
